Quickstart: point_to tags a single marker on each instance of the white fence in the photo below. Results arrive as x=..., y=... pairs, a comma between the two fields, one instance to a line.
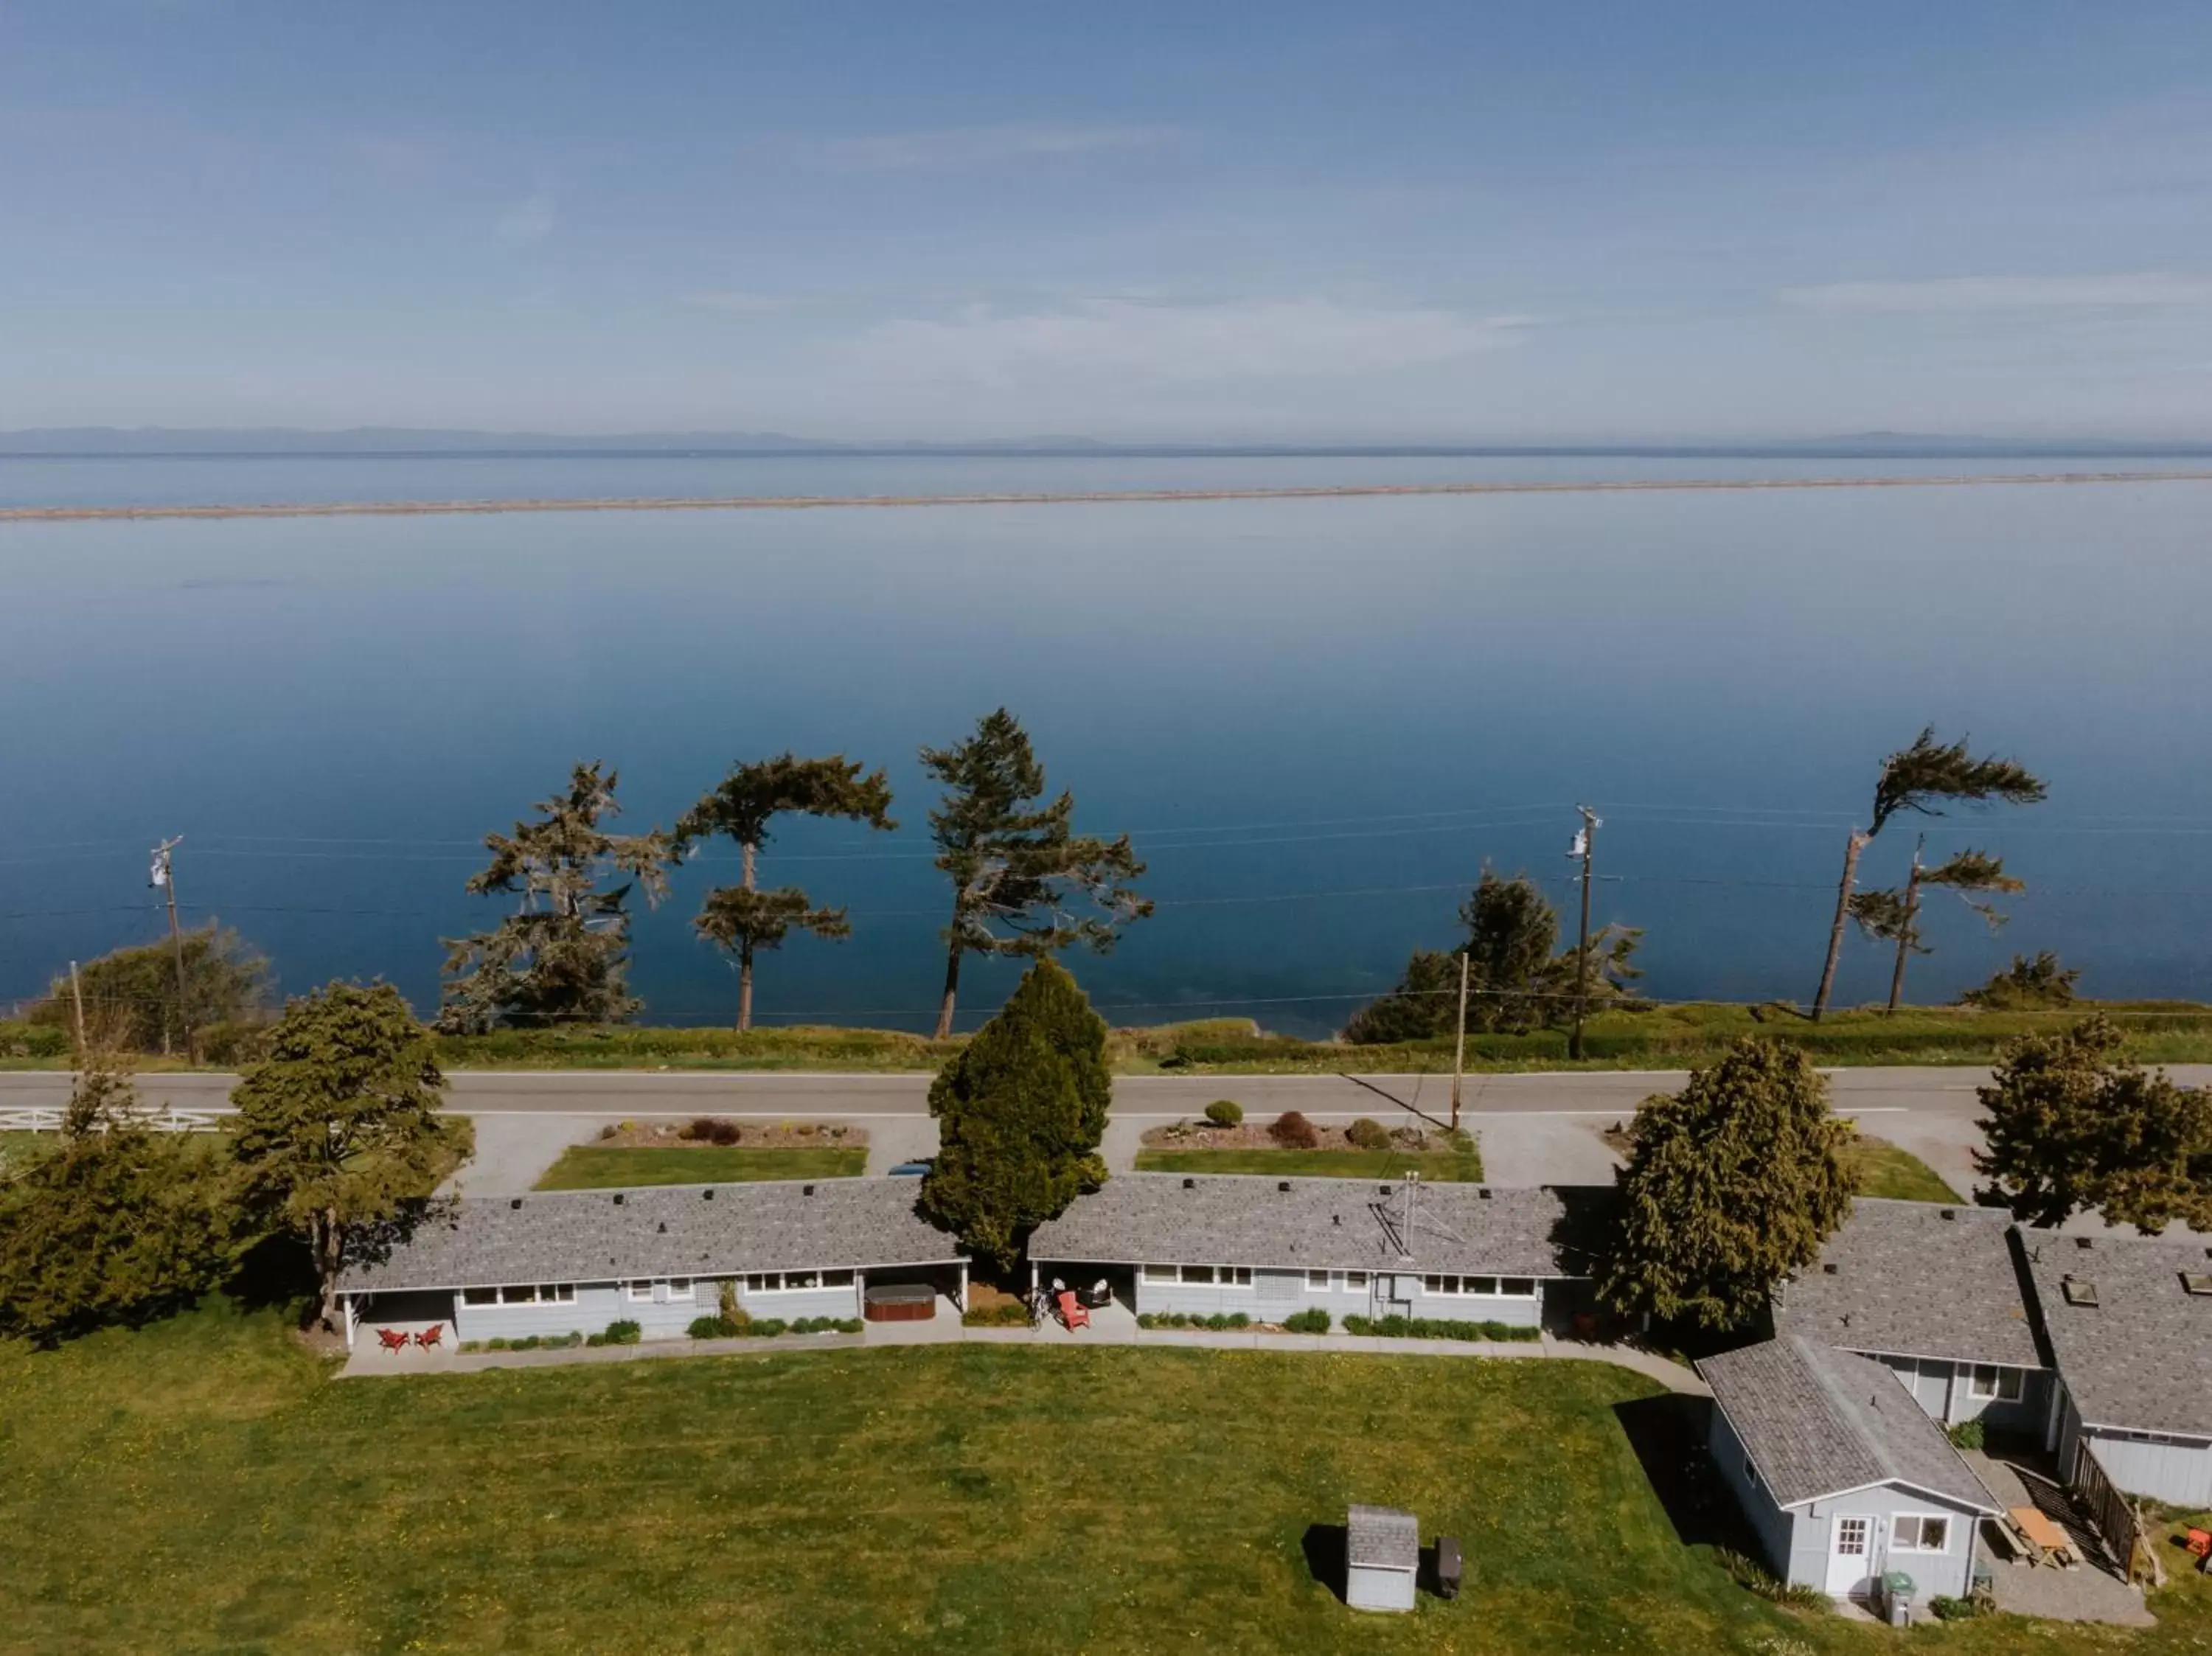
x=168, y=1118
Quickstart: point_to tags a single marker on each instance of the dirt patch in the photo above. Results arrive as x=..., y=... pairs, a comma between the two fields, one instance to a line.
x=715, y=1130
x=1253, y=1136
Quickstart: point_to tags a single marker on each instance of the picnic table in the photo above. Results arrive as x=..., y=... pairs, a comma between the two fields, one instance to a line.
x=2046, y=1541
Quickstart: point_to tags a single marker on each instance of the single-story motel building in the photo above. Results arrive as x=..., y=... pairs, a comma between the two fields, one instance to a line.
x=561, y=1262
x=1206, y=1244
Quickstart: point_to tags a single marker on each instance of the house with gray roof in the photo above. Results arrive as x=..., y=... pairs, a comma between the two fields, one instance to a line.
x=2130, y=1321
x=556, y=1262
x=1940, y=1295
x=1842, y=1474
x=1210, y=1244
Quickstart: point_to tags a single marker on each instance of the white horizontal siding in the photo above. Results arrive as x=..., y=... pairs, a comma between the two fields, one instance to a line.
x=792, y=1304
x=2180, y=1474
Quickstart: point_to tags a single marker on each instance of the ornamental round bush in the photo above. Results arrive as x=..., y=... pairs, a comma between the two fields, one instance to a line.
x=1224, y=1112
x=1293, y=1131
x=624, y=1331
x=1366, y=1135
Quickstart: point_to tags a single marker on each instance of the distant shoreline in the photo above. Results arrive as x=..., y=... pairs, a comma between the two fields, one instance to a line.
x=1103, y=497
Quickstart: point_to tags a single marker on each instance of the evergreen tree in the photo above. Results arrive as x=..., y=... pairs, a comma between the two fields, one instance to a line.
x=2073, y=1127
x=1020, y=1111
x=2038, y=981
x=131, y=995
x=340, y=1140
x=1015, y=863
x=561, y=957
x=1730, y=1185
x=1923, y=778
x=114, y=1223
x=742, y=918
x=1894, y=916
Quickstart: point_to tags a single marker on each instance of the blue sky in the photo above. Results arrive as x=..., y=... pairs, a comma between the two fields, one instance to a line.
x=1137, y=222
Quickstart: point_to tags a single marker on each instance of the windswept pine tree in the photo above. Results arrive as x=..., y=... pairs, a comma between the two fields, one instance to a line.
x=1020, y=1111
x=1894, y=916
x=1017, y=863
x=561, y=957
x=1730, y=1185
x=1923, y=778
x=743, y=919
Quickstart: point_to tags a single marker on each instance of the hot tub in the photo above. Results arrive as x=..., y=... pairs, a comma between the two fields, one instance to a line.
x=900, y=1302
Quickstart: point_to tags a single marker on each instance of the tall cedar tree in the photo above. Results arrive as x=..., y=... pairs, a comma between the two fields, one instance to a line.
x=2073, y=1127
x=1894, y=916
x=1730, y=1185
x=339, y=1140
x=131, y=995
x=1923, y=778
x=561, y=957
x=1014, y=863
x=114, y=1223
x=1020, y=1111
x=743, y=919
x=1516, y=977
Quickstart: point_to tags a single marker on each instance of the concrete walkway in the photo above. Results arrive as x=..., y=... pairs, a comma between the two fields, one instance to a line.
x=369, y=1360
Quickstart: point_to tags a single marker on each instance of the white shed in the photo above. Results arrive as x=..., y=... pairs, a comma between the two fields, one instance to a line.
x=1382, y=1557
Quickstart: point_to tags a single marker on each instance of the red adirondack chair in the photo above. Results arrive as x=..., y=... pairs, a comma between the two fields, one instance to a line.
x=391, y=1339
x=429, y=1336
x=1072, y=1313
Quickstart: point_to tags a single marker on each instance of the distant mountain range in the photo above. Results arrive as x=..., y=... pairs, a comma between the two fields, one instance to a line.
x=400, y=440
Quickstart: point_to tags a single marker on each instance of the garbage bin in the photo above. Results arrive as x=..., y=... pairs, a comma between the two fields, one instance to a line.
x=1448, y=1567
x=1897, y=1591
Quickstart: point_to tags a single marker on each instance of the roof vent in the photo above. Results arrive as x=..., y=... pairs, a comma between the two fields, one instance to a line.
x=1950, y=1214
x=618, y=1198
x=1385, y=1189
x=707, y=1194
x=806, y=1190
x=1336, y=1218
x=662, y=1226
x=2193, y=1282
x=1284, y=1187
x=1190, y=1184
x=2078, y=1290
x=1482, y=1193
x=516, y=1204
x=1830, y=1269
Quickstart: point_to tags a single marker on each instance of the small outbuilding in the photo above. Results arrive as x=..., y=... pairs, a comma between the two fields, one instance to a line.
x=1381, y=1558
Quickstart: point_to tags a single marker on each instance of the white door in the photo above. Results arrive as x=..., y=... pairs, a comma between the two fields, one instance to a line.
x=1850, y=1550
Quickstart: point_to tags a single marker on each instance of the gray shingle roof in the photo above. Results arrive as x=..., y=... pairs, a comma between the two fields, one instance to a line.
x=1381, y=1538
x=2141, y=1358
x=671, y=1230
x=1312, y=1224
x=1912, y=1281
x=1816, y=1421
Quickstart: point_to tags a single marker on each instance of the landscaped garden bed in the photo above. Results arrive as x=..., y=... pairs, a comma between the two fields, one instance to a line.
x=706, y=1150
x=1290, y=1144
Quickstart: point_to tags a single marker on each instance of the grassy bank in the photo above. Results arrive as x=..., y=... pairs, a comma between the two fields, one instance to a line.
x=1883, y=1169
x=1655, y=1037
x=603, y=1167
x=968, y=1499
x=1459, y=1168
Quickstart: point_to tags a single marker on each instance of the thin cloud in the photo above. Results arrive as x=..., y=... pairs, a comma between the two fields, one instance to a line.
x=982, y=146
x=2137, y=290
x=738, y=301
x=1119, y=344
x=529, y=219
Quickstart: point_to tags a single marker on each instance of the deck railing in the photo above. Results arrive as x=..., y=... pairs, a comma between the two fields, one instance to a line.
x=2114, y=1513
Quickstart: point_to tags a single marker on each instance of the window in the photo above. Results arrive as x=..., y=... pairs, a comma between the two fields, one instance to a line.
x=559, y=1294
x=518, y=1296
x=1851, y=1537
x=1517, y=1288
x=760, y=1282
x=1198, y=1273
x=1436, y=1285
x=793, y=1279
x=639, y=1293
x=479, y=1296
x=1317, y=1282
x=1356, y=1279
x=1918, y=1533
x=837, y=1279
x=1237, y=1275
x=1481, y=1287
x=679, y=1288
x=2003, y=1384
x=1159, y=1273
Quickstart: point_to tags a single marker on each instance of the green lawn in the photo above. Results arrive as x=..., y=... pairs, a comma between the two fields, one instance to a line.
x=1883, y=1169
x=613, y=1167
x=199, y=1486
x=1461, y=1167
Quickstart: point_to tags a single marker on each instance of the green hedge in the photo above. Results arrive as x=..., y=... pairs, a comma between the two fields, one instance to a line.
x=1438, y=1328
x=767, y=1328
x=1007, y=1314
x=1219, y=1322
x=1313, y=1321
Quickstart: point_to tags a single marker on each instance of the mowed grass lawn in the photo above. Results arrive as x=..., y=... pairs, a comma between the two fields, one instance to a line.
x=615, y=1167
x=200, y=1486
x=1454, y=1167
x=1883, y=1169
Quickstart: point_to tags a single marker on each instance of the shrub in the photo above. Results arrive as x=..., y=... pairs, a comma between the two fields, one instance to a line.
x=767, y=1328
x=624, y=1331
x=527, y=1343
x=724, y=1132
x=574, y=1336
x=1944, y=1608
x=1225, y=1113
x=1365, y=1135
x=1967, y=1434
x=850, y=1325
x=470, y=1345
x=1007, y=1314
x=699, y=1127
x=496, y=1343
x=1293, y=1131
x=608, y=1131
x=734, y=1316
x=711, y=1328
x=1315, y=1321
x=595, y=1339
x=1438, y=1328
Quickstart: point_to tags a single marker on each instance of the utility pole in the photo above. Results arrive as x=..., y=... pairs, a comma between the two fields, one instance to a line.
x=1459, y=1049
x=1907, y=928
x=165, y=876
x=1584, y=837
x=76, y=996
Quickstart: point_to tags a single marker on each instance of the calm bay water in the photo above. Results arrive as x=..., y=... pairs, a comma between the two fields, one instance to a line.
x=1319, y=718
